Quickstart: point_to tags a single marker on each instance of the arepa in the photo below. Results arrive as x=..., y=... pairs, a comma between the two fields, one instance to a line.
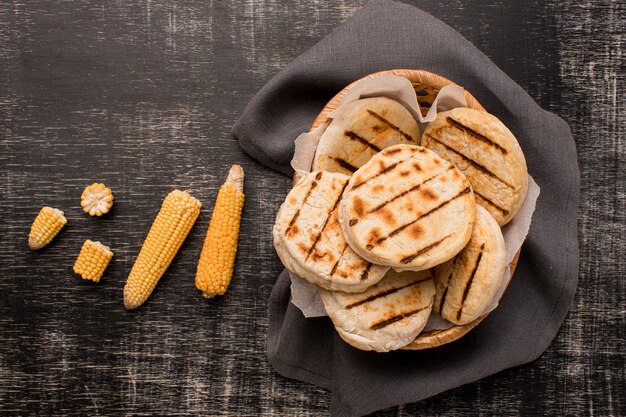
x=467, y=283
x=360, y=130
x=426, y=95
x=386, y=316
x=486, y=151
x=407, y=208
x=308, y=239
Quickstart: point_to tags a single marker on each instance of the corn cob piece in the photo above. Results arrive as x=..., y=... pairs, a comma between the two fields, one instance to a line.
x=215, y=268
x=170, y=228
x=46, y=226
x=93, y=259
x=96, y=199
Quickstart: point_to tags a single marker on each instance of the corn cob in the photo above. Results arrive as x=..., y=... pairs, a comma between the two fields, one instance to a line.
x=215, y=268
x=93, y=259
x=96, y=199
x=46, y=226
x=170, y=228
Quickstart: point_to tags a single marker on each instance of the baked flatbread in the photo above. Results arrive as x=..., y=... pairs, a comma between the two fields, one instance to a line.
x=407, y=208
x=386, y=316
x=467, y=283
x=308, y=239
x=487, y=153
x=360, y=130
x=426, y=95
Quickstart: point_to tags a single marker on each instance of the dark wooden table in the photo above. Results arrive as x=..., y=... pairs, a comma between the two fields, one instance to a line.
x=143, y=96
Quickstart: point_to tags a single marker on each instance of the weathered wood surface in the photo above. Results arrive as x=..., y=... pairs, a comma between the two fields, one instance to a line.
x=143, y=95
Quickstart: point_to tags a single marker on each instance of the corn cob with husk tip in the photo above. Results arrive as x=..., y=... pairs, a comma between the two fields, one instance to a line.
x=46, y=226
x=215, y=268
x=170, y=228
x=96, y=199
x=92, y=260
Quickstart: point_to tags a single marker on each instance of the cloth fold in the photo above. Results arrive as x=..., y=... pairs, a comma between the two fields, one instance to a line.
x=385, y=35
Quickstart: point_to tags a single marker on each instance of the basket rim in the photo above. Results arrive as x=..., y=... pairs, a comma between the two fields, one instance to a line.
x=414, y=75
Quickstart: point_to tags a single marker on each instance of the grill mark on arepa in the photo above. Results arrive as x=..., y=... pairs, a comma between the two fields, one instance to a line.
x=389, y=168
x=306, y=196
x=366, y=272
x=332, y=271
x=384, y=293
x=422, y=251
x=475, y=164
x=321, y=232
x=402, y=194
x=428, y=213
x=391, y=125
x=475, y=134
x=344, y=164
x=355, y=136
x=445, y=291
x=392, y=320
x=443, y=299
x=504, y=212
x=468, y=284
x=384, y=171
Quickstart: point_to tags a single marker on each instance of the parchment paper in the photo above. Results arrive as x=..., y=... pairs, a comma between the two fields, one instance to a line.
x=304, y=295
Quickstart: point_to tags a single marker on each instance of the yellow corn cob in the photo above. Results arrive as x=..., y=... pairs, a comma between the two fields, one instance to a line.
x=215, y=267
x=96, y=199
x=46, y=226
x=170, y=228
x=93, y=259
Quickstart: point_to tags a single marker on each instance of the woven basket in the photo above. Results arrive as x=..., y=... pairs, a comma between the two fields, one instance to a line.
x=427, y=86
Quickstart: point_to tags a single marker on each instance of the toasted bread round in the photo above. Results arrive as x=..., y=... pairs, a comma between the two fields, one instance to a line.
x=426, y=95
x=467, y=283
x=360, y=130
x=482, y=147
x=308, y=239
x=407, y=208
x=386, y=316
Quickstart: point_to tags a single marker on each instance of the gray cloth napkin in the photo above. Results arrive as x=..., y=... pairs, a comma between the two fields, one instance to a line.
x=385, y=35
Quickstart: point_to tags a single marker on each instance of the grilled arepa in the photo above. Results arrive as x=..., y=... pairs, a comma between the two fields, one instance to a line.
x=487, y=153
x=386, y=316
x=426, y=95
x=308, y=239
x=360, y=130
x=407, y=208
x=467, y=283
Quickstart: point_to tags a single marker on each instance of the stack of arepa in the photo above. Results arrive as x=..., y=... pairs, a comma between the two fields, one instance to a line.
x=394, y=225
